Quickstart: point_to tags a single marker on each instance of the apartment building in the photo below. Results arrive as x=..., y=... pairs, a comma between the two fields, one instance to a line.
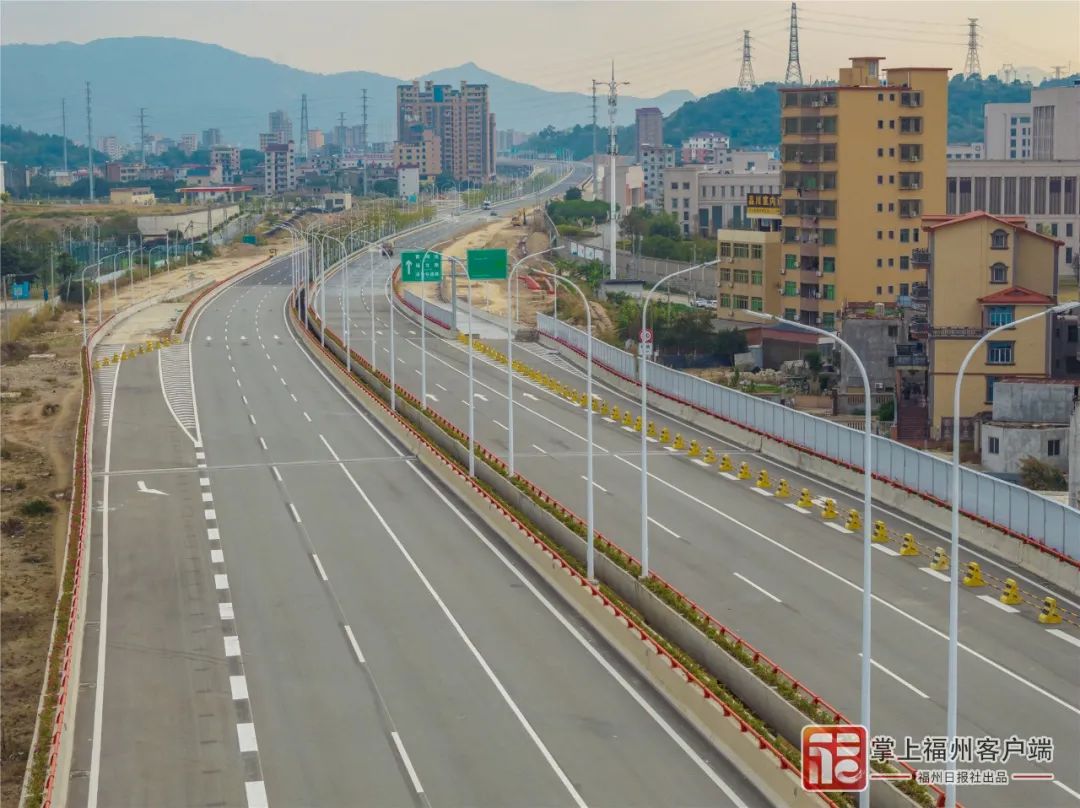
x=280, y=124
x=863, y=161
x=984, y=271
x=189, y=143
x=1046, y=128
x=649, y=129
x=460, y=117
x=279, y=168
x=746, y=274
x=315, y=139
x=210, y=138
x=228, y=158
x=425, y=154
x=655, y=160
x=704, y=199
x=702, y=147
x=1045, y=192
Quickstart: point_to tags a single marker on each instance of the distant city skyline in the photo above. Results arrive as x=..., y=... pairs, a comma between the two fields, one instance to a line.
x=544, y=44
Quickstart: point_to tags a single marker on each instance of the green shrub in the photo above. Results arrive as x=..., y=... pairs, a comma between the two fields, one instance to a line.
x=36, y=507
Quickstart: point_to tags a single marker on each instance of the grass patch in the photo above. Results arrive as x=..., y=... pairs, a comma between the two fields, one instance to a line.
x=36, y=507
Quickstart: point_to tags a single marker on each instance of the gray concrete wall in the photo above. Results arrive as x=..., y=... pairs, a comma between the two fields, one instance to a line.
x=650, y=270
x=871, y=341
x=1016, y=442
x=1033, y=403
x=196, y=218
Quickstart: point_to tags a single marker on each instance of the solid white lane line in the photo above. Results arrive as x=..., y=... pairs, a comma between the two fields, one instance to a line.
x=225, y=611
x=760, y=589
x=500, y=424
x=667, y=530
x=419, y=789
x=886, y=550
x=354, y=645
x=318, y=565
x=539, y=449
x=238, y=686
x=1057, y=632
x=295, y=514
x=841, y=579
x=1071, y=792
x=997, y=604
x=308, y=417
x=277, y=474
x=217, y=557
x=232, y=646
x=262, y=443
x=941, y=576
x=900, y=679
x=245, y=733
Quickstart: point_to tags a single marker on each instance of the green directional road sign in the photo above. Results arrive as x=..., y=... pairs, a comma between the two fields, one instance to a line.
x=487, y=265
x=411, y=271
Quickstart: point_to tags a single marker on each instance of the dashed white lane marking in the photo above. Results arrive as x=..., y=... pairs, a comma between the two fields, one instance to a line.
x=308, y=417
x=277, y=474
x=251, y=418
x=238, y=686
x=441, y=387
x=900, y=679
x=283, y=383
x=837, y=528
x=419, y=789
x=595, y=484
x=417, y=372
x=295, y=513
x=886, y=550
x=664, y=528
x=760, y=589
x=500, y=424
x=225, y=611
x=204, y=482
x=221, y=581
x=210, y=515
x=207, y=496
x=795, y=507
x=293, y=396
x=318, y=564
x=238, y=383
x=200, y=455
x=354, y=645
x=245, y=400
x=262, y=443
x=540, y=449
x=998, y=604
x=1057, y=632
x=939, y=575
x=245, y=733
x=217, y=557
x=232, y=646
x=213, y=534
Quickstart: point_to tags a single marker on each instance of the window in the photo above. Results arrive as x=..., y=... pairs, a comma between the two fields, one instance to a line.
x=741, y=276
x=880, y=207
x=999, y=273
x=741, y=250
x=756, y=304
x=725, y=301
x=879, y=179
x=999, y=240
x=911, y=125
x=890, y=262
x=892, y=207
x=725, y=275
x=892, y=235
x=880, y=263
x=1000, y=315
x=674, y=186
x=990, y=381
x=1068, y=229
x=880, y=152
x=993, y=445
x=828, y=320
x=725, y=249
x=1053, y=447
x=890, y=285
x=755, y=251
x=892, y=152
x=905, y=235
x=742, y=302
x=881, y=96
x=1068, y=256
x=791, y=314
x=905, y=262
x=791, y=261
x=828, y=236
x=892, y=179
x=878, y=290
x=828, y=264
x=829, y=292
x=686, y=186
x=757, y=277
x=999, y=353
x=904, y=291
x=880, y=124
x=791, y=289
x=879, y=235
x=892, y=124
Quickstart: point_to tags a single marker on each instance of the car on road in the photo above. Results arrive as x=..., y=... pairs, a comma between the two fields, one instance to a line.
x=487, y=204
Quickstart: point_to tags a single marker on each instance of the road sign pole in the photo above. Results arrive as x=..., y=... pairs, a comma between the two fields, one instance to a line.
x=472, y=397
x=393, y=370
x=371, y=303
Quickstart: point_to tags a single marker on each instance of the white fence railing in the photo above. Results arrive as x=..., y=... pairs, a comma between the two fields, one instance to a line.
x=1005, y=505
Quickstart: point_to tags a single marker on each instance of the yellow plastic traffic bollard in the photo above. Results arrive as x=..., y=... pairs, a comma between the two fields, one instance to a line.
x=881, y=532
x=744, y=471
x=637, y=424
x=805, y=500
x=605, y=410
x=97, y=364
x=908, y=546
x=763, y=481
x=665, y=435
x=115, y=358
x=829, y=511
x=973, y=576
x=140, y=350
x=695, y=449
x=627, y=418
x=783, y=491
x=725, y=463
x=651, y=431
x=615, y=413
x=678, y=443
x=1049, y=613
x=854, y=521
x=1011, y=594
x=710, y=456
x=941, y=560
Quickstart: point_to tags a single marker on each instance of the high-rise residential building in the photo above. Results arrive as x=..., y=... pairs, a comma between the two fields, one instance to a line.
x=703, y=146
x=266, y=139
x=280, y=124
x=1046, y=128
x=863, y=162
x=228, y=157
x=649, y=129
x=110, y=145
x=654, y=161
x=210, y=138
x=315, y=139
x=189, y=143
x=460, y=117
x=279, y=168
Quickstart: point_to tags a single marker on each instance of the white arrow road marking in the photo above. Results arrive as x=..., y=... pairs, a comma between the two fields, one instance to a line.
x=144, y=490
x=432, y=397
x=480, y=396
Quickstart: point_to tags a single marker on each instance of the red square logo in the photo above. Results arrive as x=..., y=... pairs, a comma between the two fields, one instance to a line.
x=835, y=758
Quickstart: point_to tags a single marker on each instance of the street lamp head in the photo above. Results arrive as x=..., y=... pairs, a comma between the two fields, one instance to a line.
x=1062, y=308
x=761, y=315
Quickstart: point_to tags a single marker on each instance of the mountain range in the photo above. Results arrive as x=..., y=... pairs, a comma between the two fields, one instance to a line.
x=188, y=86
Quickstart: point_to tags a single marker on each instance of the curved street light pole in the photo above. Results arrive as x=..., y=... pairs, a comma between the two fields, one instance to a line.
x=642, y=373
x=510, y=354
x=954, y=536
x=868, y=476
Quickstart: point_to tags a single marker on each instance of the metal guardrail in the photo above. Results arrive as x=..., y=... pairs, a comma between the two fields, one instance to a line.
x=1022, y=513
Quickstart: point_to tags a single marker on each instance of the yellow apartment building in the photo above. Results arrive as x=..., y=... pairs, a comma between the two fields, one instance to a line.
x=746, y=273
x=862, y=162
x=985, y=271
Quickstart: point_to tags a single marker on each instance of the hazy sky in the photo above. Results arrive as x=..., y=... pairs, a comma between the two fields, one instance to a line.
x=657, y=46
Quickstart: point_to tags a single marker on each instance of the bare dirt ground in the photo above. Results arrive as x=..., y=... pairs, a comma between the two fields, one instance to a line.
x=38, y=413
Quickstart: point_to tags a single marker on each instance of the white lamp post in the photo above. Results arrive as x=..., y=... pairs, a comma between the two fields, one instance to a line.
x=954, y=536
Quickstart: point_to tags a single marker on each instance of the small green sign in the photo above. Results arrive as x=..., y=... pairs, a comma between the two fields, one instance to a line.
x=487, y=265
x=421, y=267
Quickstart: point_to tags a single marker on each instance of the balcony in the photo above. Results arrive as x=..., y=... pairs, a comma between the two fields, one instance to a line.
x=920, y=258
x=957, y=332
x=911, y=355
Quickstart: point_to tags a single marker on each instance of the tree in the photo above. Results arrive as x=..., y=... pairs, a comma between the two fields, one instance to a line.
x=728, y=342
x=813, y=364
x=572, y=194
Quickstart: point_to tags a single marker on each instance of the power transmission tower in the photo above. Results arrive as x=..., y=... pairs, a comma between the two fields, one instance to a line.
x=595, y=132
x=1007, y=73
x=1057, y=70
x=793, y=75
x=364, y=135
x=341, y=134
x=142, y=134
x=63, y=124
x=971, y=63
x=746, y=72
x=613, y=149
x=90, y=140
x=303, y=126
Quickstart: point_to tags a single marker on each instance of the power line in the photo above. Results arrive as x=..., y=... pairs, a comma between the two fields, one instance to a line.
x=746, y=71
x=793, y=74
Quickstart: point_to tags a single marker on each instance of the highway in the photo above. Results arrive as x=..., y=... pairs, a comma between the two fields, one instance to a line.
x=285, y=610
x=786, y=581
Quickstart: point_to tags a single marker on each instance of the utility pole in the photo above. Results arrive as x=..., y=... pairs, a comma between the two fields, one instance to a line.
x=90, y=140
x=63, y=124
x=363, y=130
x=746, y=72
x=613, y=149
x=971, y=62
x=142, y=134
x=793, y=75
x=303, y=126
x=595, y=145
